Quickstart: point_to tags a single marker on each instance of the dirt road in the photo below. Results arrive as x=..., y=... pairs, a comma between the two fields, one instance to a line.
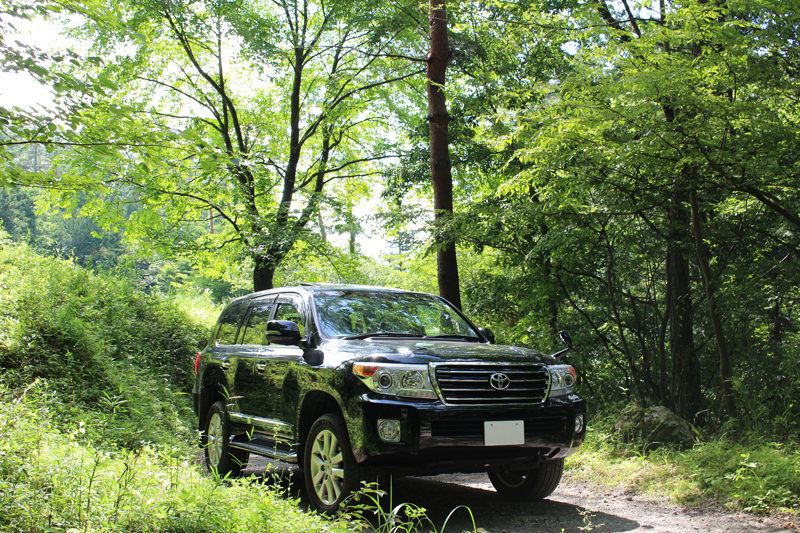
x=565, y=510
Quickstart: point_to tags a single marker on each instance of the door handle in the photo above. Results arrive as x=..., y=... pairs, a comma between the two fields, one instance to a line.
x=226, y=364
x=261, y=366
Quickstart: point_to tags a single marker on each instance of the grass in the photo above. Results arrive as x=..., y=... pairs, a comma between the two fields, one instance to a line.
x=79, y=481
x=93, y=336
x=57, y=480
x=751, y=475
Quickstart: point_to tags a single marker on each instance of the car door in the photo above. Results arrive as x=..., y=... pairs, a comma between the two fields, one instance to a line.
x=290, y=307
x=221, y=367
x=250, y=358
x=262, y=365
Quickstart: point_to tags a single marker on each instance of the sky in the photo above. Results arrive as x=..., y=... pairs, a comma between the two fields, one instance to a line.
x=20, y=90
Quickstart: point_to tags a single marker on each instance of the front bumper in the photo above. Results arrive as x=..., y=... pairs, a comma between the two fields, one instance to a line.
x=435, y=438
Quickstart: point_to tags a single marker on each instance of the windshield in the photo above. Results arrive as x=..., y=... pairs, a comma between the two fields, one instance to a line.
x=362, y=314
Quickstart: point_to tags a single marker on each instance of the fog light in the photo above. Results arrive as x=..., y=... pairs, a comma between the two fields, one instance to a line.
x=578, y=424
x=389, y=430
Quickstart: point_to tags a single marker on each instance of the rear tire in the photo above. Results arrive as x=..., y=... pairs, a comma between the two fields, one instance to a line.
x=331, y=472
x=533, y=484
x=220, y=457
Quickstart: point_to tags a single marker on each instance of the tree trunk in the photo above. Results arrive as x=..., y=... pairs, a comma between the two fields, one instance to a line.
x=708, y=285
x=352, y=240
x=441, y=172
x=686, y=393
x=263, y=273
x=321, y=224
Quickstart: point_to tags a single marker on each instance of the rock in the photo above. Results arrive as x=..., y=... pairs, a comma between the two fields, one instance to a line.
x=655, y=427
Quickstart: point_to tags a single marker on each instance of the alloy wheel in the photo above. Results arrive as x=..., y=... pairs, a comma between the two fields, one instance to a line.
x=327, y=468
x=215, y=439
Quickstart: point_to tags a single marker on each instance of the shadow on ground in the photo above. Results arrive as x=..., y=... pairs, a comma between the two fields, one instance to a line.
x=440, y=495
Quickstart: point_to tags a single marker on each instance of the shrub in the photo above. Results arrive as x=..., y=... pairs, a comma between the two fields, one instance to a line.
x=66, y=481
x=94, y=338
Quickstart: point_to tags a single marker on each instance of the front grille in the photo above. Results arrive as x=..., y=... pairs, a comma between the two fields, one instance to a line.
x=471, y=384
x=474, y=428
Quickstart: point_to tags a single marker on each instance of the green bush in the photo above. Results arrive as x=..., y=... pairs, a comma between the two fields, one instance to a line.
x=94, y=339
x=65, y=481
x=749, y=474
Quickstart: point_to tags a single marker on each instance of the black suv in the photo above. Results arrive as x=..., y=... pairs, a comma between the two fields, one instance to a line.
x=350, y=381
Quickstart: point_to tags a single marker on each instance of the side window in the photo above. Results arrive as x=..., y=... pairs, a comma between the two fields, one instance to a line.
x=255, y=331
x=229, y=322
x=291, y=311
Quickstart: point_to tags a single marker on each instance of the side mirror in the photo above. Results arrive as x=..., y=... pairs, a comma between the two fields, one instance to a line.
x=567, y=340
x=311, y=355
x=488, y=335
x=283, y=332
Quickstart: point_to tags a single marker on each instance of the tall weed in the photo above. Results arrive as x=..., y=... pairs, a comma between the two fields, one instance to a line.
x=52, y=480
x=93, y=336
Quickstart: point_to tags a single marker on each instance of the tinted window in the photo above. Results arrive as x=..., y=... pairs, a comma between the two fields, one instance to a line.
x=229, y=322
x=255, y=331
x=291, y=311
x=348, y=313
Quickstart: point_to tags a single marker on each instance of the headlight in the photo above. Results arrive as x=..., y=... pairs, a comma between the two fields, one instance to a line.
x=411, y=381
x=562, y=380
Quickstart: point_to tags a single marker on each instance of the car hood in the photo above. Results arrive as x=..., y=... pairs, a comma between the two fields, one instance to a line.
x=424, y=351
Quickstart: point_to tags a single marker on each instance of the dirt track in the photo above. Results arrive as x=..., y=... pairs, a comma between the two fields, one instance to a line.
x=617, y=512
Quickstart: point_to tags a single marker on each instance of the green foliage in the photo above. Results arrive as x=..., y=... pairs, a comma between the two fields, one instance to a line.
x=595, y=133
x=18, y=215
x=58, y=232
x=93, y=337
x=66, y=480
x=753, y=475
x=214, y=131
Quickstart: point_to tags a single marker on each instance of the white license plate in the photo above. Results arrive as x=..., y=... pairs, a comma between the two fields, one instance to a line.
x=504, y=433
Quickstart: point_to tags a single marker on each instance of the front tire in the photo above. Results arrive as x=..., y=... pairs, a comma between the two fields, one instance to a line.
x=220, y=457
x=534, y=484
x=331, y=472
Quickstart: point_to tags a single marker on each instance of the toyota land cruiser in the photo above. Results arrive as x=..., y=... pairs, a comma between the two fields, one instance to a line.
x=348, y=381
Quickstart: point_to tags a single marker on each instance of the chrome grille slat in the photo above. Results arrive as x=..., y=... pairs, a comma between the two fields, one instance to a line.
x=469, y=383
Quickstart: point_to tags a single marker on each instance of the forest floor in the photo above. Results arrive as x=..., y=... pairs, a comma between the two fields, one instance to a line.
x=574, y=507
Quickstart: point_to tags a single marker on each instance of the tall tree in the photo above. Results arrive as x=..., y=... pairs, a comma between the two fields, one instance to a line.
x=659, y=106
x=238, y=113
x=441, y=167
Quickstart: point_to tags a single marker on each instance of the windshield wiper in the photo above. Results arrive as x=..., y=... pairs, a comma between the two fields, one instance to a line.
x=381, y=334
x=470, y=338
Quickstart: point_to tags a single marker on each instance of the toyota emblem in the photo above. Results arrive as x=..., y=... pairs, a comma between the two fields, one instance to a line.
x=499, y=381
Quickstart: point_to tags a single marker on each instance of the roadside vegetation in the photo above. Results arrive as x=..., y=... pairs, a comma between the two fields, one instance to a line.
x=96, y=433
x=746, y=473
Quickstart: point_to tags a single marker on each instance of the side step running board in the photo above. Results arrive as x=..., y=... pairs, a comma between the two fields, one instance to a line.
x=266, y=450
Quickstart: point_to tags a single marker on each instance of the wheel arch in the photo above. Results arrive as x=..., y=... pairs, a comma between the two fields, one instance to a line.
x=315, y=404
x=210, y=395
